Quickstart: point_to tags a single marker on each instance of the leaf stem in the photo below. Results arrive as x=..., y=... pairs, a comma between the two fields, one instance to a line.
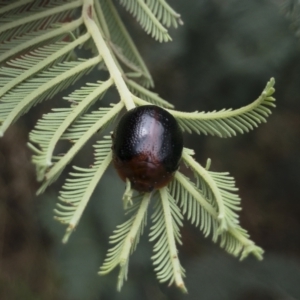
x=106, y=54
x=128, y=41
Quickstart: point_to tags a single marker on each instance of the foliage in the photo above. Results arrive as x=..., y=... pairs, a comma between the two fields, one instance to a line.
x=39, y=57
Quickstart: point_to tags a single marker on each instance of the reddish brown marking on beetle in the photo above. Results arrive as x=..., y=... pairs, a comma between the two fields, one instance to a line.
x=143, y=175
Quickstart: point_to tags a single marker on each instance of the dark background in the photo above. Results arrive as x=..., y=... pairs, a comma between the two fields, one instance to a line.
x=221, y=58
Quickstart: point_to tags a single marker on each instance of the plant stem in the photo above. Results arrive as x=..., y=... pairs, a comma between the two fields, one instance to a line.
x=104, y=51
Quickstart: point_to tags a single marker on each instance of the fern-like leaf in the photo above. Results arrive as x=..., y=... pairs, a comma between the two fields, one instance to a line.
x=204, y=214
x=197, y=209
x=78, y=189
x=147, y=19
x=20, y=69
x=80, y=127
x=164, y=13
x=226, y=123
x=42, y=87
x=33, y=39
x=167, y=220
x=52, y=126
x=125, y=239
x=97, y=119
x=39, y=15
x=218, y=188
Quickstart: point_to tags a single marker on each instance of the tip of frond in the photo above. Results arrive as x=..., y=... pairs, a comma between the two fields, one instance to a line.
x=67, y=234
x=183, y=288
x=254, y=250
x=269, y=90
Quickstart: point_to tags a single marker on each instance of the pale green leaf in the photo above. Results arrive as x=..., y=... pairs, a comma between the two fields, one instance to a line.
x=34, y=39
x=79, y=187
x=201, y=210
x=226, y=123
x=41, y=87
x=125, y=239
x=22, y=68
x=218, y=188
x=51, y=127
x=149, y=22
x=164, y=12
x=40, y=15
x=97, y=120
x=165, y=231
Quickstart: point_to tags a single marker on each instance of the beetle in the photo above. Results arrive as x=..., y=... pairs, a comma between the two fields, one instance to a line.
x=147, y=146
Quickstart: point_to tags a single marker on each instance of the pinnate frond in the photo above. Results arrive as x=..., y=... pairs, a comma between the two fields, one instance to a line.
x=125, y=239
x=226, y=123
x=98, y=120
x=34, y=39
x=164, y=13
x=80, y=127
x=218, y=188
x=19, y=69
x=42, y=87
x=35, y=16
x=167, y=220
x=236, y=241
x=51, y=127
x=148, y=21
x=79, y=187
x=197, y=209
x=198, y=204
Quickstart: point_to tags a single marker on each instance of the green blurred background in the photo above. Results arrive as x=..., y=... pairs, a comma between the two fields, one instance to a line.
x=221, y=58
